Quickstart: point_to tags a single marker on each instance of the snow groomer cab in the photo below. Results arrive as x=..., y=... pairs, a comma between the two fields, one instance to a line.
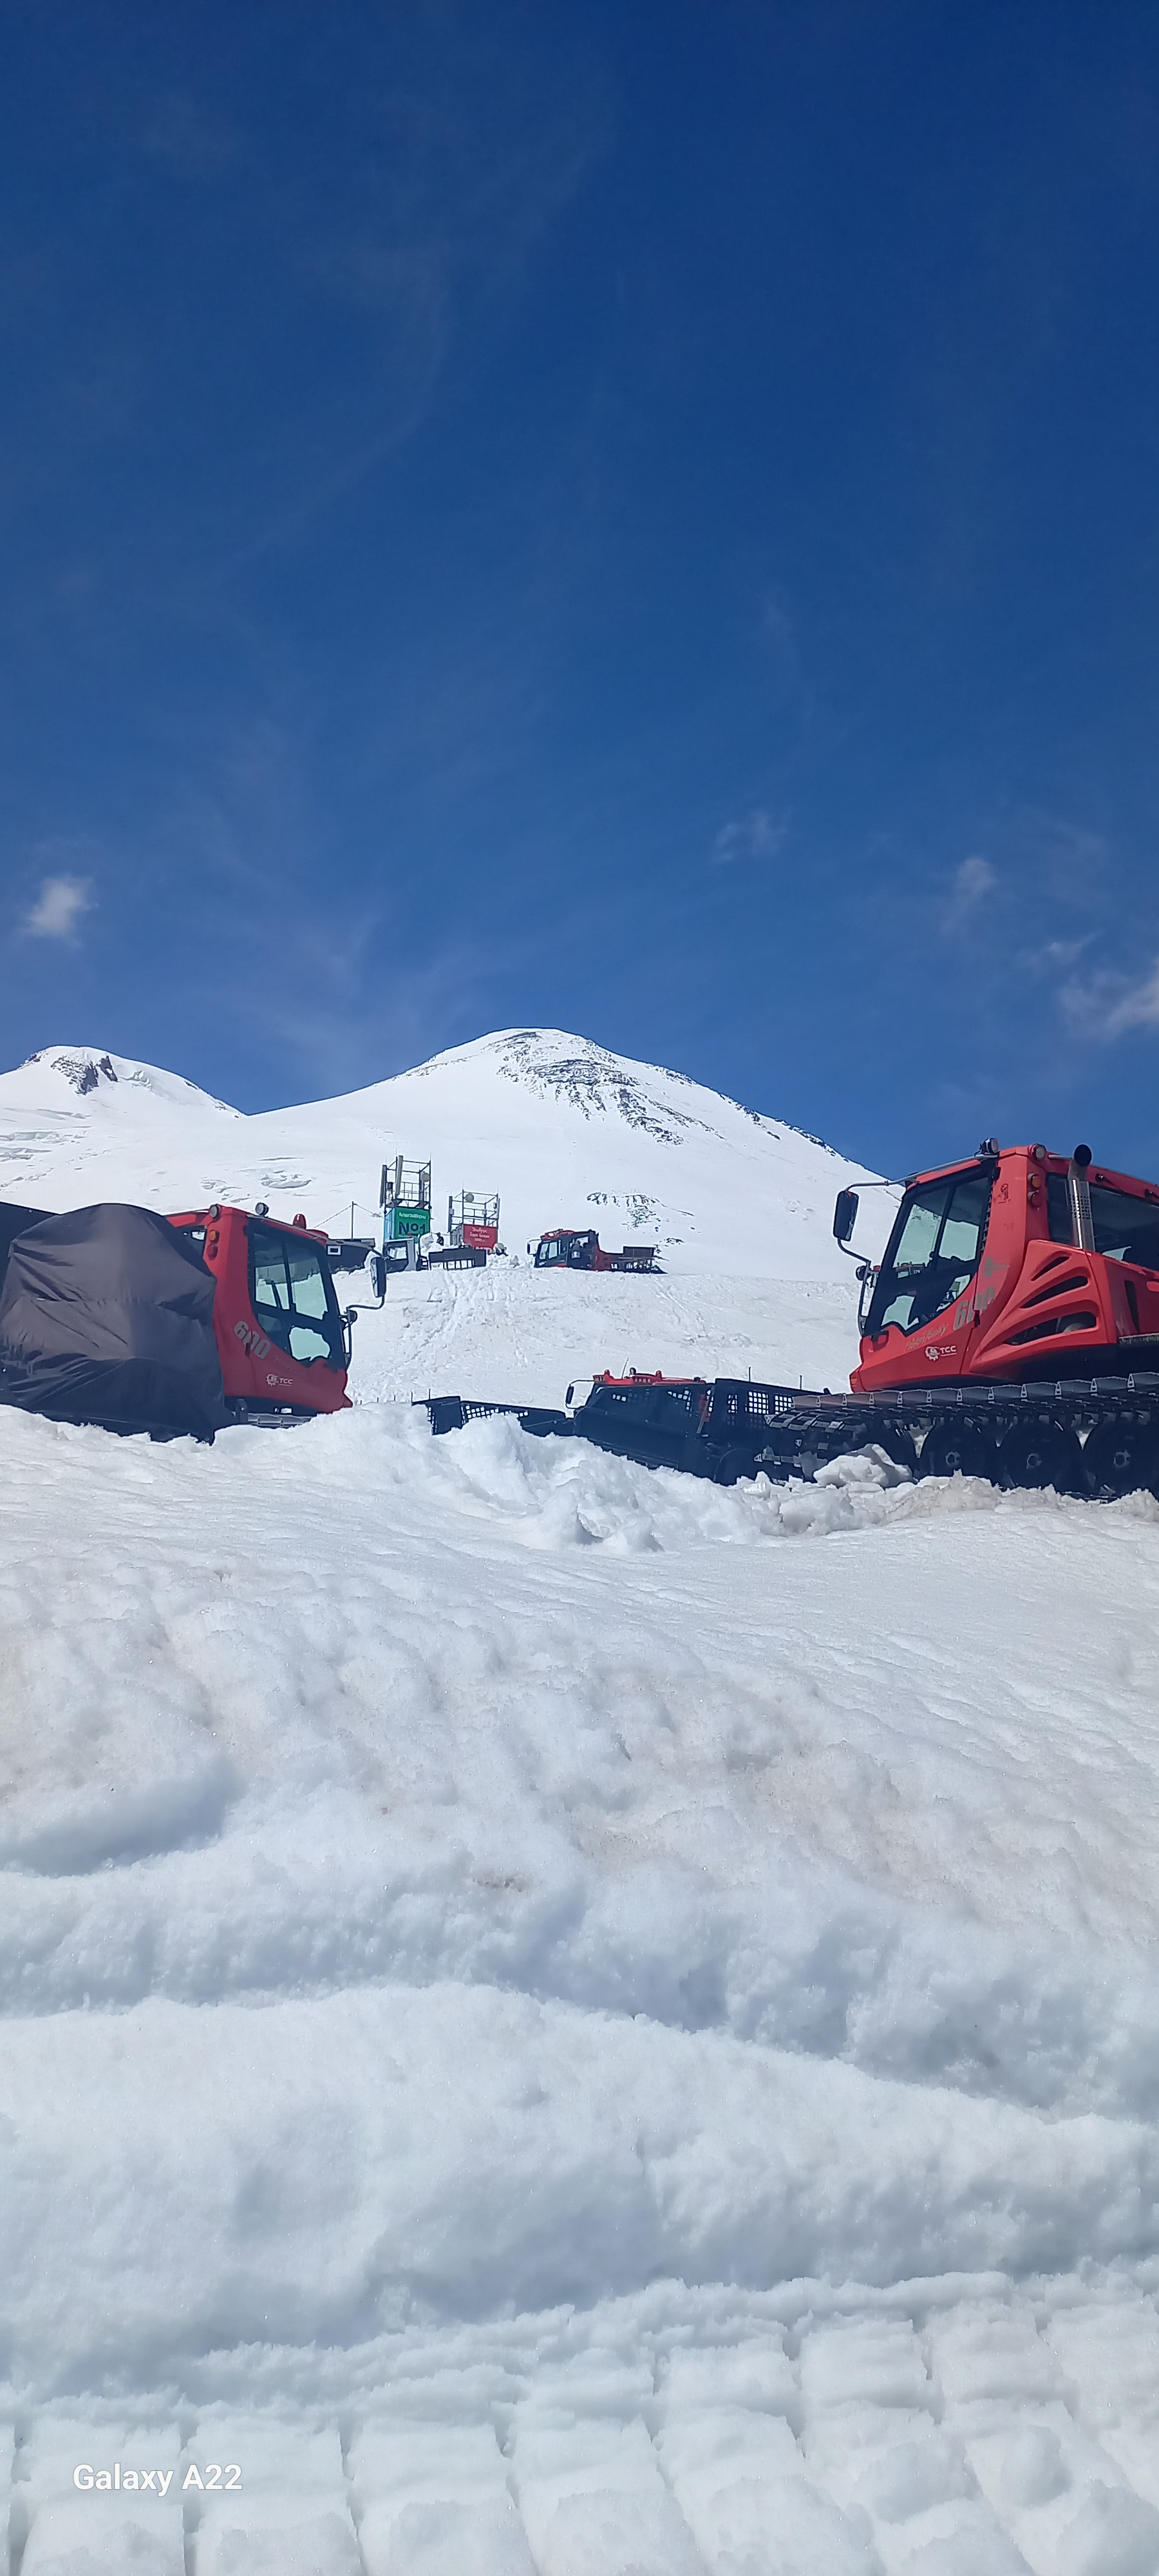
x=282, y=1338
x=1018, y=1264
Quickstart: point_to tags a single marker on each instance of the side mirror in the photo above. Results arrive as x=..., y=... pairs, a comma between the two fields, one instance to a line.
x=378, y=1275
x=570, y=1396
x=844, y=1215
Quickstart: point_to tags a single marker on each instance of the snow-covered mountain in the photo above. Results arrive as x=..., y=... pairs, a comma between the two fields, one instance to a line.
x=568, y=1133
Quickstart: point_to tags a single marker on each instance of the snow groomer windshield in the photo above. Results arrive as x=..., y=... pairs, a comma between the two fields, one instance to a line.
x=933, y=1251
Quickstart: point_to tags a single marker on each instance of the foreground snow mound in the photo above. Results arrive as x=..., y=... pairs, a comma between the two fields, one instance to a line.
x=544, y=2016
x=563, y=1492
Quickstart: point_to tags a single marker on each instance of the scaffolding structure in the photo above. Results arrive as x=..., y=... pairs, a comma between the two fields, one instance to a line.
x=405, y=1200
x=474, y=1219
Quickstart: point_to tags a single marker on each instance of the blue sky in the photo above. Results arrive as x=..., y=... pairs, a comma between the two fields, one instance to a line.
x=640, y=520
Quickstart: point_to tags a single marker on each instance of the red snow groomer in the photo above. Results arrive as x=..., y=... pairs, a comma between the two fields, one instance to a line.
x=1024, y=1286
x=282, y=1339
x=121, y=1317
x=1019, y=1264
x=570, y=1247
x=1010, y=1330
x=1011, y=1327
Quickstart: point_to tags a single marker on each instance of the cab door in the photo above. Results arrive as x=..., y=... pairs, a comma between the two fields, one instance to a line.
x=923, y=1311
x=296, y=1312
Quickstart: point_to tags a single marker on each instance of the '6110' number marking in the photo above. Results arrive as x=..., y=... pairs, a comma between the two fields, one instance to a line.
x=256, y=1343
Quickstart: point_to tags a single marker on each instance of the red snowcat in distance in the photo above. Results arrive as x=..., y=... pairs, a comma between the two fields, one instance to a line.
x=579, y=1248
x=283, y=1340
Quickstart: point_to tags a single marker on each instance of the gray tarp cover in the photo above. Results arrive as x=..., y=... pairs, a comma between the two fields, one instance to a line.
x=106, y=1316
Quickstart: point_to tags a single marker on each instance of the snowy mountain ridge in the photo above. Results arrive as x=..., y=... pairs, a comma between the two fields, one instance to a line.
x=85, y=1068
x=563, y=1128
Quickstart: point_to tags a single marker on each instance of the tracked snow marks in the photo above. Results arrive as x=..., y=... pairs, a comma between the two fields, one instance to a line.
x=729, y=2424
x=490, y=1937
x=432, y=2494
x=939, y=2432
x=58, y=2526
x=489, y=1332
x=289, y=2516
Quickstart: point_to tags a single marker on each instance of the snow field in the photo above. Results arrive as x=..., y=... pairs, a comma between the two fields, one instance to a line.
x=515, y=1334
x=570, y=2019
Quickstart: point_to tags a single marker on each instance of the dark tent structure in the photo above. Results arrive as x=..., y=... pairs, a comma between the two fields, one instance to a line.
x=106, y=1316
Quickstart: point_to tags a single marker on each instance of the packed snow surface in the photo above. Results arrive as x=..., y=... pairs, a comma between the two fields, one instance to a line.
x=564, y=2018
x=563, y=2021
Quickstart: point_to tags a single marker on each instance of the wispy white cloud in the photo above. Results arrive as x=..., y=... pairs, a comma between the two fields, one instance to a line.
x=1139, y=1007
x=779, y=628
x=460, y=173
x=784, y=657
x=777, y=620
x=1109, y=1004
x=58, y=907
x=1053, y=956
x=1073, y=860
x=970, y=885
x=756, y=835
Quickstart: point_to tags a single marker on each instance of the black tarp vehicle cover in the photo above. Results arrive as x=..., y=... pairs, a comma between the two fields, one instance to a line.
x=14, y=1221
x=106, y=1316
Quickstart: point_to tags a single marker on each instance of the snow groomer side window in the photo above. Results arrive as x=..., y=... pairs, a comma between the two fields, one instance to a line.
x=288, y=1287
x=1126, y=1225
x=308, y=1284
x=933, y=1252
x=671, y=1408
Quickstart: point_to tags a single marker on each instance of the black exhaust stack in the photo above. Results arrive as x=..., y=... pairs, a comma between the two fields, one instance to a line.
x=1079, y=1194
